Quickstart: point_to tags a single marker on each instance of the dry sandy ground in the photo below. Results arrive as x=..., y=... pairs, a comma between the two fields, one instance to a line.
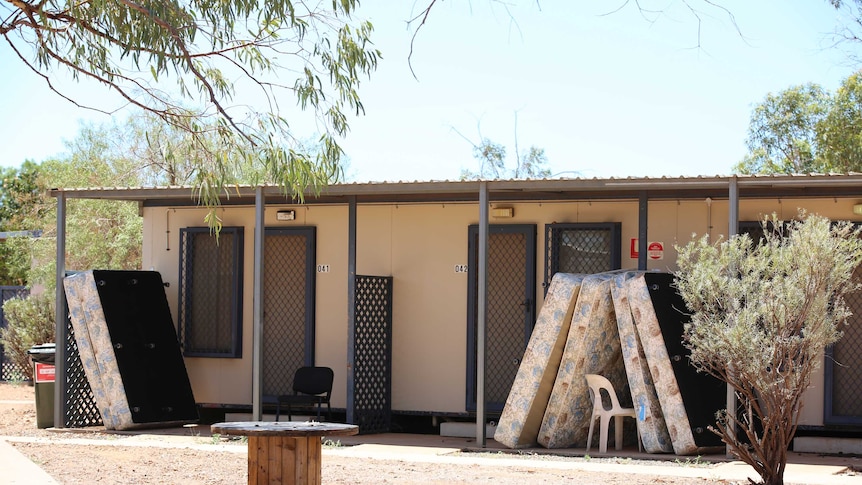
x=80, y=458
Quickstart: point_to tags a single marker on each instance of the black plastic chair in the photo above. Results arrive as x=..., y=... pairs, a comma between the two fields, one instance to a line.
x=311, y=386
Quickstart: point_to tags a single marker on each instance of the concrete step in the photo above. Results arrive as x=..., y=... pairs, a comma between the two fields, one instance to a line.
x=464, y=430
x=830, y=446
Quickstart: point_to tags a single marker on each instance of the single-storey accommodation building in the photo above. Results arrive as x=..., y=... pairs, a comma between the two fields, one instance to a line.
x=383, y=282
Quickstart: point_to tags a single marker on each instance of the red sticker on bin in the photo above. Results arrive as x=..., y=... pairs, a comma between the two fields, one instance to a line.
x=44, y=372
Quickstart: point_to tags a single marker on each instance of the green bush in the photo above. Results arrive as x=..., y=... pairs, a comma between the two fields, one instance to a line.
x=31, y=322
x=761, y=314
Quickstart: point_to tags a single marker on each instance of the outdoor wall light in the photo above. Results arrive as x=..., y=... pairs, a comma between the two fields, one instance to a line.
x=503, y=212
x=285, y=215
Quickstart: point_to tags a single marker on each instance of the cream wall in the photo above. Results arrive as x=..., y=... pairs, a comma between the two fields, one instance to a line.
x=419, y=245
x=430, y=305
x=227, y=380
x=213, y=380
x=330, y=344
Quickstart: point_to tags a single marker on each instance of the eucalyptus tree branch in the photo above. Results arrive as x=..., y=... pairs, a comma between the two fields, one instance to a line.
x=210, y=48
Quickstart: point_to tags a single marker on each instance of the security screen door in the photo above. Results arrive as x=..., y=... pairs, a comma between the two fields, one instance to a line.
x=510, y=305
x=288, y=306
x=843, y=368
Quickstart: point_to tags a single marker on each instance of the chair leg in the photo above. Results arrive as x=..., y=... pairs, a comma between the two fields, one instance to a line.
x=603, y=434
x=328, y=412
x=277, y=410
x=618, y=432
x=590, y=434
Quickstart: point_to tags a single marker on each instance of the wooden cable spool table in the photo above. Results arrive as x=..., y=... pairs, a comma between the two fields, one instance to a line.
x=286, y=452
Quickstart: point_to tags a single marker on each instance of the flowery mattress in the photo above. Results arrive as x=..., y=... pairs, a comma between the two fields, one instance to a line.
x=626, y=326
x=96, y=350
x=688, y=399
x=522, y=415
x=592, y=347
x=653, y=430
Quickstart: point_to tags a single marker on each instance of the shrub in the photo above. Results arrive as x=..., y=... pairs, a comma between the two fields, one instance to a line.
x=762, y=313
x=31, y=322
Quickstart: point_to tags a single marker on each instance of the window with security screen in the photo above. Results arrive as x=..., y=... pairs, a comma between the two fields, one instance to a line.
x=583, y=248
x=210, y=300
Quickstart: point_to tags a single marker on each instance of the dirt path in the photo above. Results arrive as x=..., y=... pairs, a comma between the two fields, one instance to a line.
x=104, y=459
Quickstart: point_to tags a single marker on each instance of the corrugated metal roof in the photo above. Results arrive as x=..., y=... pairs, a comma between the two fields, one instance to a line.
x=775, y=185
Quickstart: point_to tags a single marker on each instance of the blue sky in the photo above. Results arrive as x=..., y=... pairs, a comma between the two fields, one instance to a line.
x=605, y=95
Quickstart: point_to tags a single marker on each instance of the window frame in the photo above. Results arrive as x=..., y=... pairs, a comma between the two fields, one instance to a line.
x=551, y=252
x=186, y=284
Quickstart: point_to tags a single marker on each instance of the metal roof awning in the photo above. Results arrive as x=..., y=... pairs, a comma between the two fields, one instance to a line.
x=716, y=187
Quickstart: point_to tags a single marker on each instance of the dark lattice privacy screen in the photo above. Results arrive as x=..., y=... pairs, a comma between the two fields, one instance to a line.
x=9, y=371
x=370, y=351
x=210, y=294
x=80, y=408
x=581, y=248
x=510, y=309
x=288, y=306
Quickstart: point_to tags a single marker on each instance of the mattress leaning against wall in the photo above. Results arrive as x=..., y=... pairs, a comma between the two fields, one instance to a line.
x=689, y=400
x=651, y=424
x=101, y=370
x=129, y=350
x=592, y=347
x=522, y=415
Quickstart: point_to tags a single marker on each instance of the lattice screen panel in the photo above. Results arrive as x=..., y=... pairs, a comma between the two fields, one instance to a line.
x=9, y=371
x=372, y=355
x=80, y=404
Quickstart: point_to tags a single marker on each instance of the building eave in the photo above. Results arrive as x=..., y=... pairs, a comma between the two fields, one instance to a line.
x=716, y=187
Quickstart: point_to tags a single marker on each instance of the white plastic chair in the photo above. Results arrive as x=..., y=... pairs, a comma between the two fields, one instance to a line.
x=596, y=383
